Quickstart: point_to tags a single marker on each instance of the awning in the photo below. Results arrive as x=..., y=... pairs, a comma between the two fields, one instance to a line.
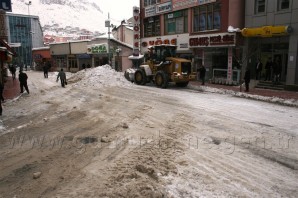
x=4, y=45
x=267, y=31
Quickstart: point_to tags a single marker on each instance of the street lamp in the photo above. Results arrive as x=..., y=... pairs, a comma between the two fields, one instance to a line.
x=29, y=31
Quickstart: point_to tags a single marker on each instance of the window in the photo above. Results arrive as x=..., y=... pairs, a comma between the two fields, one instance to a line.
x=206, y=17
x=150, y=2
x=260, y=6
x=176, y=22
x=152, y=26
x=283, y=4
x=72, y=62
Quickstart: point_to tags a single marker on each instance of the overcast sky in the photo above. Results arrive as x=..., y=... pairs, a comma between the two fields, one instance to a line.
x=118, y=9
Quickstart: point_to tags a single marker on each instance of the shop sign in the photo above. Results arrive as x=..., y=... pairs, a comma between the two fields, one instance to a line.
x=136, y=31
x=3, y=30
x=165, y=7
x=201, y=2
x=266, y=31
x=97, y=48
x=183, y=45
x=159, y=42
x=150, y=11
x=83, y=56
x=181, y=4
x=5, y=5
x=212, y=40
x=230, y=63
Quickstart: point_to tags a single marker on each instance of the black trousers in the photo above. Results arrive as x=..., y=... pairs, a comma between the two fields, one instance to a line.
x=62, y=82
x=45, y=73
x=22, y=85
x=246, y=85
x=0, y=108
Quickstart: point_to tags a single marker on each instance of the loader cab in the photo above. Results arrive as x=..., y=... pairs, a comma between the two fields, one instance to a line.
x=159, y=53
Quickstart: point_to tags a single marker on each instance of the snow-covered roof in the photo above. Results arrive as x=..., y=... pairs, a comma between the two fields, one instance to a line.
x=41, y=48
x=132, y=57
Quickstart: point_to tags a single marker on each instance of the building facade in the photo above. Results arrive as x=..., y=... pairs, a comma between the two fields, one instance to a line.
x=200, y=31
x=271, y=32
x=24, y=34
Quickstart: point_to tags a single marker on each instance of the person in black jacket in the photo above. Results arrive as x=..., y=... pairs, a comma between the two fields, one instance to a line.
x=259, y=67
x=202, y=71
x=247, y=79
x=62, y=77
x=23, y=81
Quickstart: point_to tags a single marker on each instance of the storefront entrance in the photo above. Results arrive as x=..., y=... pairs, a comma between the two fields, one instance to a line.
x=279, y=54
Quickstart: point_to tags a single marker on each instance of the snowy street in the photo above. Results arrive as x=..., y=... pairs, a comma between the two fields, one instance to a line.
x=102, y=136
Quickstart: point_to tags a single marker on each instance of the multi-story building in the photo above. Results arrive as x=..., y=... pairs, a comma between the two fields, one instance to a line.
x=26, y=32
x=199, y=28
x=271, y=30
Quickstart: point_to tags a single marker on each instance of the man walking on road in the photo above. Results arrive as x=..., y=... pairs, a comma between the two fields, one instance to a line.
x=23, y=81
x=62, y=77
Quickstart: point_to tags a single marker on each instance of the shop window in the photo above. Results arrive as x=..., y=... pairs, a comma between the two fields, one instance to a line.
x=206, y=17
x=176, y=23
x=150, y=2
x=283, y=4
x=152, y=26
x=72, y=63
x=260, y=6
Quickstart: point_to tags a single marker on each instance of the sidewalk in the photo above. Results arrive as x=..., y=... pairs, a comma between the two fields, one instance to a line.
x=253, y=91
x=11, y=88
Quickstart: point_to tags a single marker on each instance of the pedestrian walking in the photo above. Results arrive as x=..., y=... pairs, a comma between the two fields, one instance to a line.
x=259, y=68
x=268, y=68
x=1, y=91
x=62, y=77
x=202, y=71
x=23, y=81
x=276, y=67
x=45, y=70
x=247, y=79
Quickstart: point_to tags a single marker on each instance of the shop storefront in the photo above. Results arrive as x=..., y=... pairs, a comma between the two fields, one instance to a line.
x=220, y=54
x=99, y=54
x=268, y=42
x=42, y=56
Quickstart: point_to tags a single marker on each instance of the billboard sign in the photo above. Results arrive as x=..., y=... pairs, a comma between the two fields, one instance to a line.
x=5, y=5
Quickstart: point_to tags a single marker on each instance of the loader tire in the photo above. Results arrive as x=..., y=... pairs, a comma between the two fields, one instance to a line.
x=140, y=77
x=161, y=79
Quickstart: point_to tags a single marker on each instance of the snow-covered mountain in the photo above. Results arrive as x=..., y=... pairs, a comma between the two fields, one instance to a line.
x=85, y=14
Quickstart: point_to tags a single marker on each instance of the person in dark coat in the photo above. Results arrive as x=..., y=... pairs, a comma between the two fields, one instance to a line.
x=62, y=77
x=84, y=66
x=23, y=81
x=45, y=70
x=247, y=79
x=259, y=67
x=268, y=68
x=1, y=91
x=202, y=71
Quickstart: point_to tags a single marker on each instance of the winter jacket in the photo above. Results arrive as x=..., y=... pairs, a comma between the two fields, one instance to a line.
x=23, y=77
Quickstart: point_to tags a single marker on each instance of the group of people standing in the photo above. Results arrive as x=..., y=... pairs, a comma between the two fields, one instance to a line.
x=272, y=70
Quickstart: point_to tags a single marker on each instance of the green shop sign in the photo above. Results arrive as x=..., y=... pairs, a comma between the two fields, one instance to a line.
x=97, y=49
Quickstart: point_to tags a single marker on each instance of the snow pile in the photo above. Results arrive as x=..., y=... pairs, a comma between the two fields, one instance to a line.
x=2, y=128
x=287, y=102
x=102, y=76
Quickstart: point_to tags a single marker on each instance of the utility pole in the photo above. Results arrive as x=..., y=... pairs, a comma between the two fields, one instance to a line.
x=108, y=25
x=29, y=33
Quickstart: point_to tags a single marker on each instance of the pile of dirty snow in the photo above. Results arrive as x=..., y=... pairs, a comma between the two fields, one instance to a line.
x=287, y=102
x=102, y=76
